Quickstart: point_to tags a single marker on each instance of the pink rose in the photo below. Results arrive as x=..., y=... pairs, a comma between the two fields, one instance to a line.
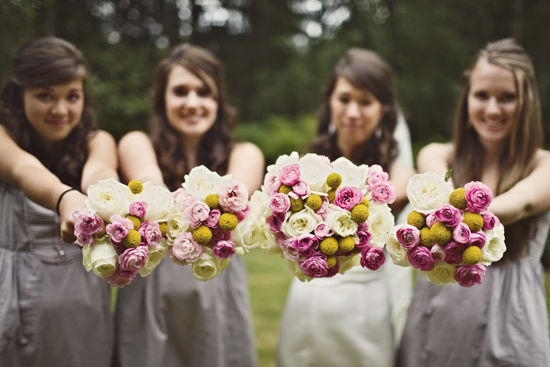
x=478, y=239
x=133, y=259
x=314, y=267
x=312, y=252
x=333, y=271
x=383, y=192
x=87, y=223
x=438, y=253
x=421, y=258
x=478, y=196
x=224, y=249
x=233, y=196
x=219, y=234
x=375, y=168
x=408, y=236
x=271, y=183
x=138, y=208
x=196, y=212
x=84, y=239
x=291, y=253
x=372, y=257
x=347, y=197
x=150, y=233
x=290, y=174
x=377, y=176
x=448, y=215
x=490, y=221
x=185, y=250
x=213, y=218
x=119, y=228
x=303, y=242
x=364, y=238
x=469, y=275
x=279, y=203
x=243, y=213
x=454, y=253
x=462, y=233
x=120, y=278
x=281, y=239
x=323, y=210
x=362, y=226
x=431, y=220
x=180, y=199
x=322, y=230
x=300, y=188
x=275, y=222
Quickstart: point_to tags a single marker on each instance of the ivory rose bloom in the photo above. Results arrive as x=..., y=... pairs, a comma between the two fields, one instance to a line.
x=108, y=197
x=208, y=266
x=299, y=223
x=397, y=253
x=352, y=175
x=314, y=171
x=340, y=221
x=201, y=182
x=101, y=258
x=494, y=246
x=380, y=223
x=175, y=225
x=160, y=203
x=254, y=232
x=427, y=192
x=442, y=274
x=156, y=254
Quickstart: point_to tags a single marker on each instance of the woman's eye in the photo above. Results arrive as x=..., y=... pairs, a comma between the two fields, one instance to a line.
x=44, y=96
x=73, y=97
x=344, y=100
x=508, y=97
x=180, y=92
x=366, y=102
x=204, y=93
x=481, y=95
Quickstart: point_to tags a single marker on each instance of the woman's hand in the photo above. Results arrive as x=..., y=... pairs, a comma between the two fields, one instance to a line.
x=70, y=202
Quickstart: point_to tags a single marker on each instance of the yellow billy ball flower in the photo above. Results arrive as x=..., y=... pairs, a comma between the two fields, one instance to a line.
x=458, y=198
x=416, y=219
x=474, y=221
x=425, y=237
x=163, y=227
x=366, y=202
x=213, y=201
x=334, y=180
x=331, y=195
x=135, y=221
x=314, y=201
x=202, y=235
x=284, y=189
x=133, y=239
x=331, y=261
x=359, y=214
x=135, y=186
x=329, y=246
x=441, y=234
x=346, y=244
x=228, y=222
x=472, y=255
x=296, y=204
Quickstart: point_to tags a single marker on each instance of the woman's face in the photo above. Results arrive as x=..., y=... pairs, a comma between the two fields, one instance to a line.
x=191, y=106
x=355, y=112
x=492, y=101
x=54, y=111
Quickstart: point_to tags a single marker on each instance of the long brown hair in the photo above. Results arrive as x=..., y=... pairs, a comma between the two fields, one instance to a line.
x=44, y=62
x=368, y=71
x=216, y=144
x=517, y=158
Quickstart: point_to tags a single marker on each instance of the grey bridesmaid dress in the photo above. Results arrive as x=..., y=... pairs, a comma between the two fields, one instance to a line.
x=52, y=311
x=170, y=319
x=502, y=322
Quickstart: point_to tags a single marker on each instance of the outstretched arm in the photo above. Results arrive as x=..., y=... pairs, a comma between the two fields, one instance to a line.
x=434, y=157
x=102, y=160
x=246, y=164
x=138, y=160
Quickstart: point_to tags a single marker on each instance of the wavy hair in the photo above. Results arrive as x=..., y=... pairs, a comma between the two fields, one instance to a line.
x=45, y=62
x=366, y=70
x=216, y=144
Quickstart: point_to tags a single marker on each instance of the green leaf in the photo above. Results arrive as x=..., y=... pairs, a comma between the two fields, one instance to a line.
x=448, y=175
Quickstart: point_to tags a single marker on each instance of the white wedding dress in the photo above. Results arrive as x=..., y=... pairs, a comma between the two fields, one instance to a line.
x=355, y=319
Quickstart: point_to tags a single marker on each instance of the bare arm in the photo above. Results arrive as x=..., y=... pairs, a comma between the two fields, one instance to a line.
x=138, y=160
x=246, y=164
x=529, y=197
x=399, y=177
x=102, y=160
x=434, y=157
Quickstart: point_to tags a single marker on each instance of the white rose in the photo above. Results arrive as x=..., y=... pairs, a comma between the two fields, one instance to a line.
x=175, y=225
x=494, y=246
x=340, y=221
x=259, y=204
x=160, y=203
x=299, y=223
x=351, y=174
x=100, y=257
x=155, y=255
x=380, y=223
x=208, y=266
x=314, y=171
x=201, y=182
x=442, y=274
x=397, y=253
x=253, y=232
x=348, y=262
x=108, y=197
x=428, y=191
x=284, y=160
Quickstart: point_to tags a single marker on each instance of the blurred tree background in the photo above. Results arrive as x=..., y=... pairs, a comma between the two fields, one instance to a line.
x=278, y=54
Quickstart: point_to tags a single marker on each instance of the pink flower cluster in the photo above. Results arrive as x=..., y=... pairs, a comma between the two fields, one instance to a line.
x=381, y=189
x=88, y=226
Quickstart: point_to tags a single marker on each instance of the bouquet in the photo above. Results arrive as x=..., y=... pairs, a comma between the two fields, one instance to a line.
x=123, y=229
x=450, y=236
x=208, y=209
x=324, y=217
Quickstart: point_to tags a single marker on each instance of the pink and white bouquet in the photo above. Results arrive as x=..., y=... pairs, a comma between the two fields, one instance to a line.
x=123, y=229
x=209, y=208
x=450, y=236
x=324, y=217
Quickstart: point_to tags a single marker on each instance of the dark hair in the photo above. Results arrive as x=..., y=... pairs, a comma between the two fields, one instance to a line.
x=44, y=62
x=215, y=146
x=517, y=158
x=365, y=70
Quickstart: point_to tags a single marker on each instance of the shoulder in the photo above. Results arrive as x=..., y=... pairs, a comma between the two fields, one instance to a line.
x=135, y=138
x=436, y=150
x=101, y=137
x=542, y=159
x=246, y=151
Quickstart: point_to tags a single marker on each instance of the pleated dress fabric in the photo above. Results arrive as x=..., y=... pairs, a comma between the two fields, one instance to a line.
x=170, y=319
x=52, y=311
x=502, y=322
